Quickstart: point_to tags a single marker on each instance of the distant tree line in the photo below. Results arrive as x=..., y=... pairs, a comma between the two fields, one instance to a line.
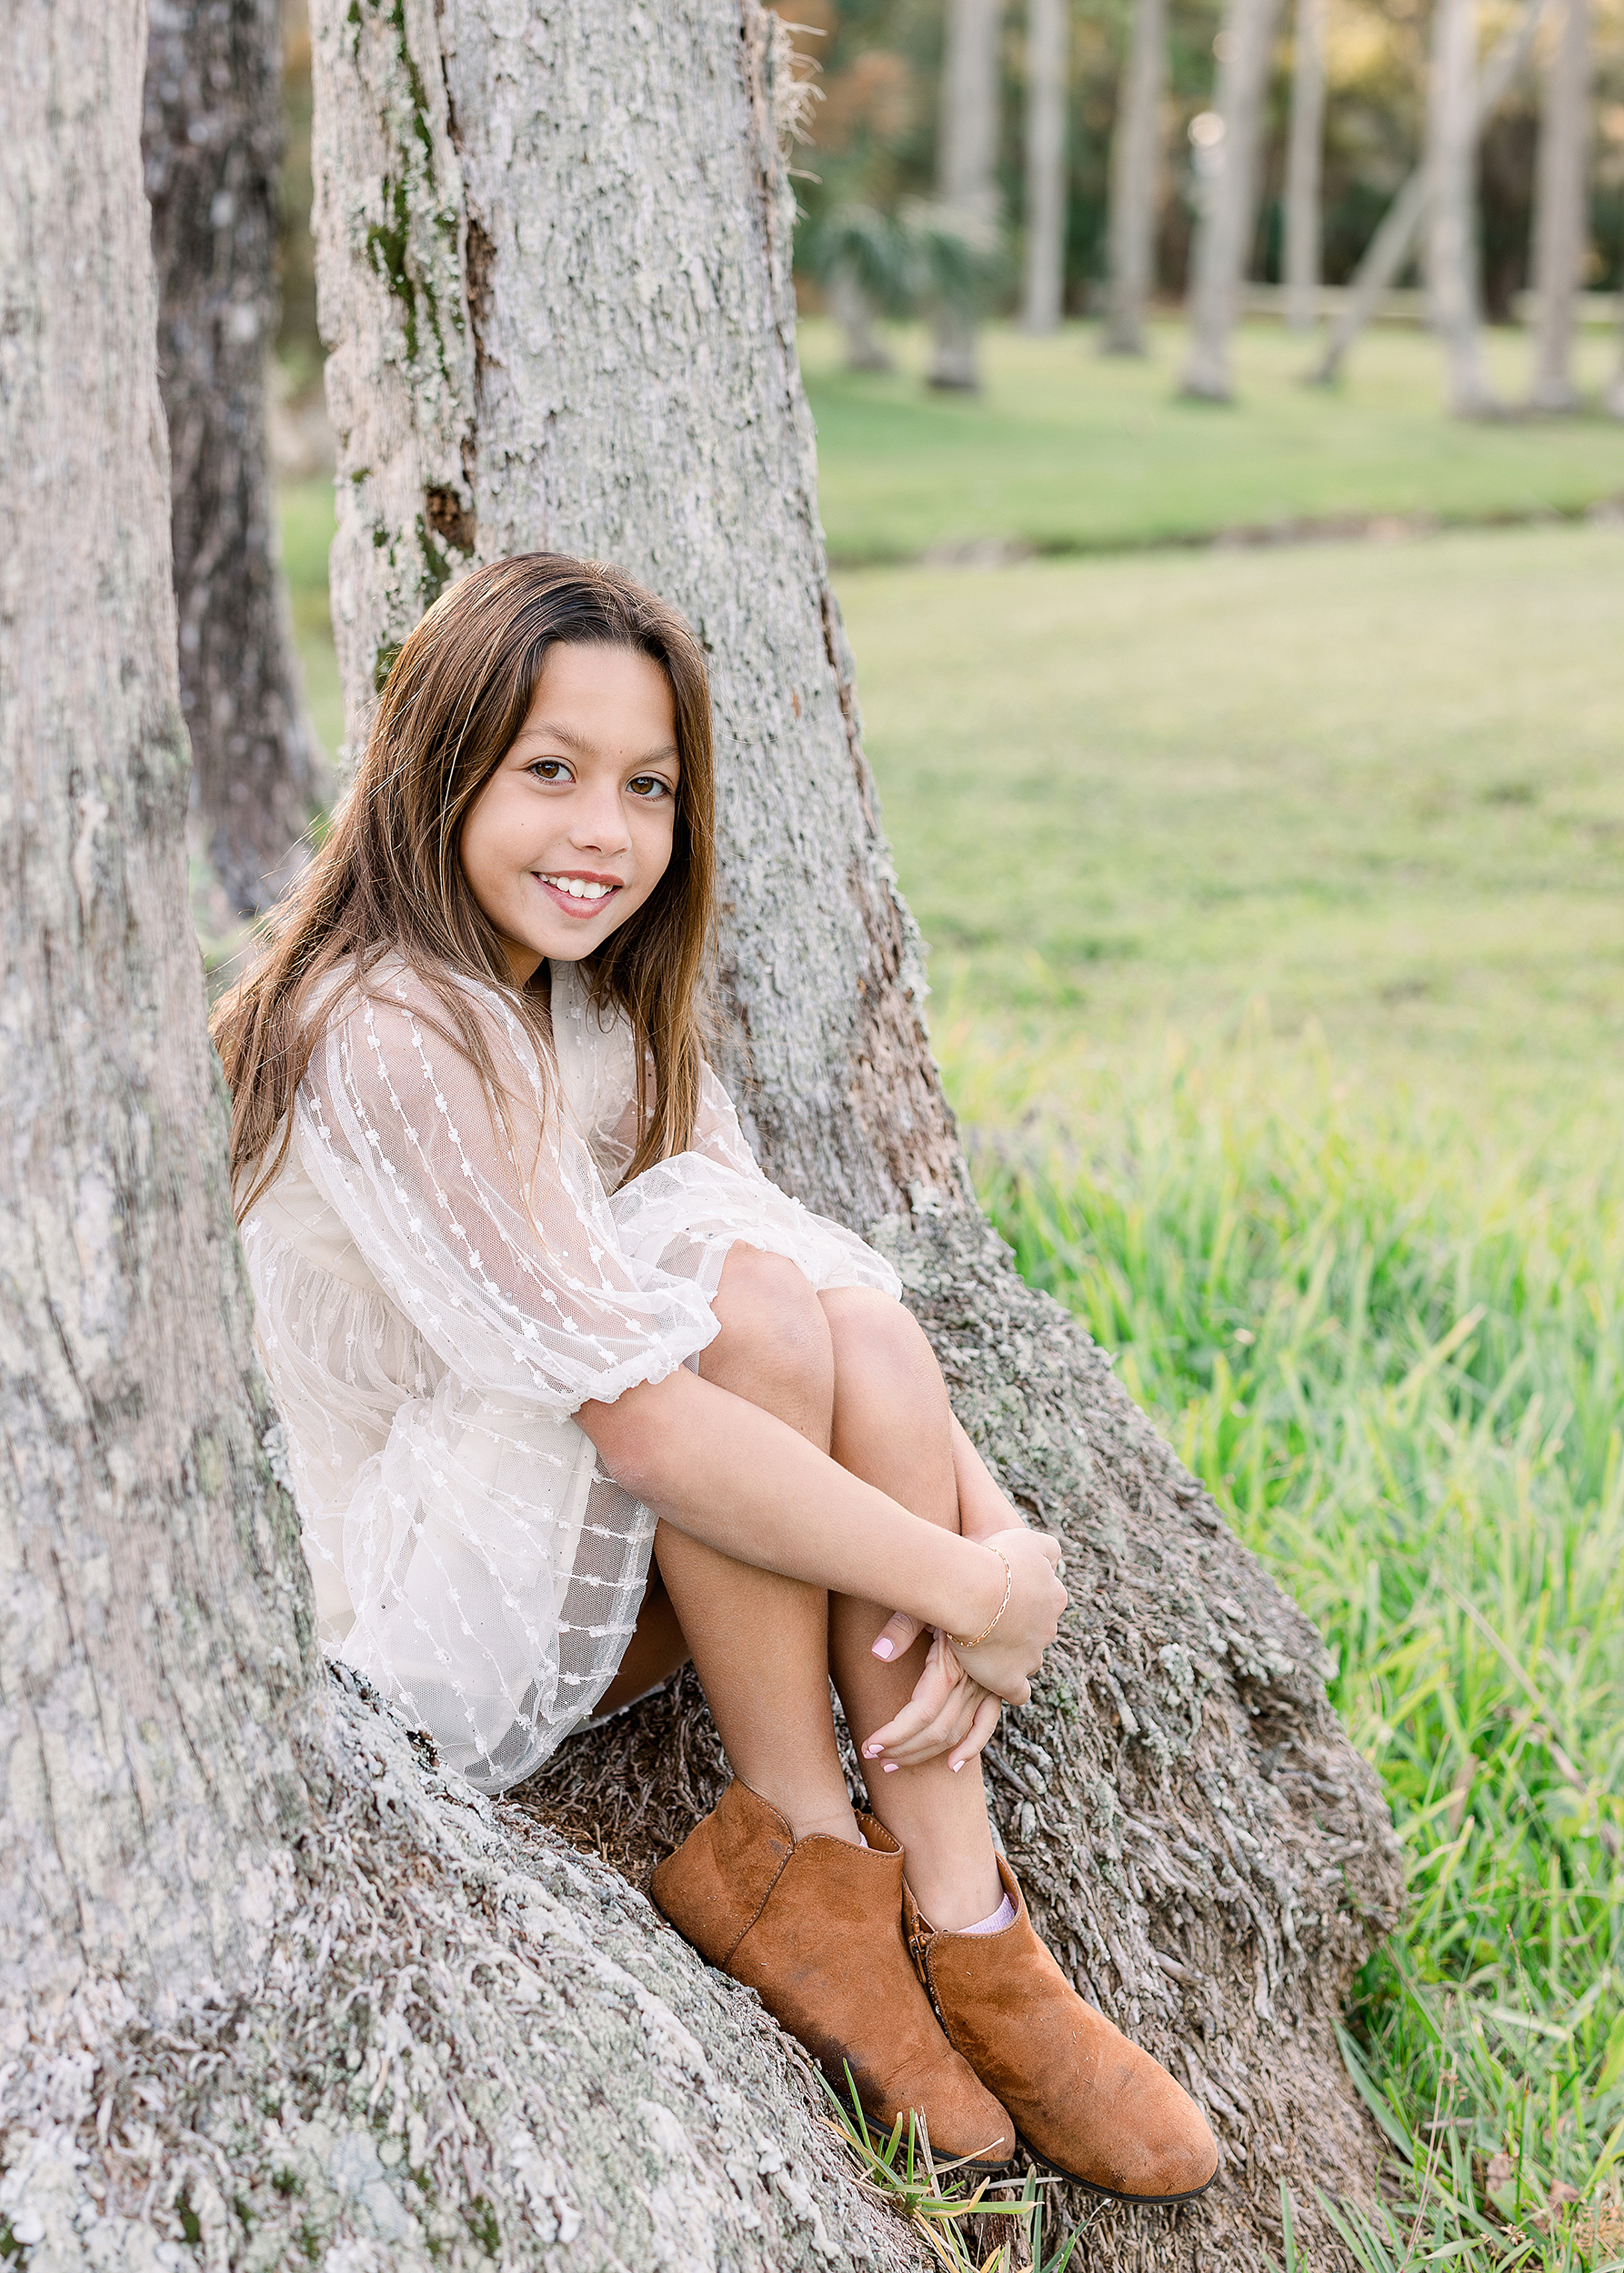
x=1096, y=153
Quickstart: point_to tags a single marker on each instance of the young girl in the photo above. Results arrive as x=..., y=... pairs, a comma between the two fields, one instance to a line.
x=530, y=1308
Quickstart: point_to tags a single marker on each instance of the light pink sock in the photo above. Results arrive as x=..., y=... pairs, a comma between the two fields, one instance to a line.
x=1003, y=1915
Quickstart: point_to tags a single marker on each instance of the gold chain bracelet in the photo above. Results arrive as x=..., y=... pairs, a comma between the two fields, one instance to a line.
x=957, y=1641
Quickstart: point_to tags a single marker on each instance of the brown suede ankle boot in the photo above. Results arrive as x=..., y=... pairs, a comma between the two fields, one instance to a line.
x=1084, y=2102
x=814, y=1928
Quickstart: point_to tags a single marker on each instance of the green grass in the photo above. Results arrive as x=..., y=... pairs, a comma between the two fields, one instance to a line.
x=1392, y=1346
x=1379, y=784
x=1067, y=451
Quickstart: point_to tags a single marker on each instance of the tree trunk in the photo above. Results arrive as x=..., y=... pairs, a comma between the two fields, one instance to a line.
x=1562, y=231
x=271, y=1992
x=598, y=356
x=1303, y=168
x=966, y=157
x=1613, y=402
x=1136, y=173
x=153, y=1639
x=1043, y=290
x=853, y=310
x=1223, y=246
x=1454, y=285
x=213, y=140
x=1391, y=248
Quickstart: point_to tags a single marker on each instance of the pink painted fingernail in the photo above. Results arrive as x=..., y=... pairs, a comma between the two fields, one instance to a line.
x=884, y=1646
x=872, y=1751
x=890, y=1767
x=956, y=1766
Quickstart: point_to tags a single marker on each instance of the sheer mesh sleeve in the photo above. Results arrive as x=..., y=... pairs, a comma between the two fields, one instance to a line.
x=493, y=1571
x=681, y=1216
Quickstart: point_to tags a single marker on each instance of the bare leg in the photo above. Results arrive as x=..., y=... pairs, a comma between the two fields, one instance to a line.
x=890, y=1427
x=761, y=1643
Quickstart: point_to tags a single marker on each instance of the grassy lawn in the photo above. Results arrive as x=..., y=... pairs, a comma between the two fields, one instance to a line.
x=1278, y=948
x=1378, y=784
x=1067, y=451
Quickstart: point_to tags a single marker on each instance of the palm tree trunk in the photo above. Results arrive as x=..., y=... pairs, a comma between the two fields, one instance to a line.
x=213, y=140
x=1560, y=231
x=1044, y=282
x=1135, y=170
x=1223, y=246
x=853, y=310
x=1390, y=248
x=967, y=155
x=1303, y=168
x=1454, y=285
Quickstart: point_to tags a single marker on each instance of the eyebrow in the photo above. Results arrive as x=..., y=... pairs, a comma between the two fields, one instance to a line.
x=544, y=730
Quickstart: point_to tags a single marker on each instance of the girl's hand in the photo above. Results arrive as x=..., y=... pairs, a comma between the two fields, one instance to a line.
x=1014, y=1649
x=948, y=1712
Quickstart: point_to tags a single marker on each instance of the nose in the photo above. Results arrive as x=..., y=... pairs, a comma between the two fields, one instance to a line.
x=598, y=822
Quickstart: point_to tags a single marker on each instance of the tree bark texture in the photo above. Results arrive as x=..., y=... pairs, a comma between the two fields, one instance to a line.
x=271, y=1992
x=1136, y=173
x=1223, y=246
x=213, y=140
x=582, y=337
x=1391, y=248
x=966, y=156
x=154, y=1633
x=1043, y=281
x=1454, y=285
x=1561, y=219
x=1303, y=168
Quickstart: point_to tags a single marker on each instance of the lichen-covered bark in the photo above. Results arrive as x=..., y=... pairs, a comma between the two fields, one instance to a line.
x=466, y=2046
x=597, y=196
x=212, y=138
x=271, y=1992
x=603, y=189
x=153, y=1626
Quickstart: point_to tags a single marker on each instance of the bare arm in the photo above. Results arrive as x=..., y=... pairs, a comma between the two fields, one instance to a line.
x=725, y=1472
x=983, y=1509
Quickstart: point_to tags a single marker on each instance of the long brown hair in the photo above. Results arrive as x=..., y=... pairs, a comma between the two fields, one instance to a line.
x=388, y=877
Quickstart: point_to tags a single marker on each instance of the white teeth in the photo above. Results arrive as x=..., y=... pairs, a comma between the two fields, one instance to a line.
x=578, y=889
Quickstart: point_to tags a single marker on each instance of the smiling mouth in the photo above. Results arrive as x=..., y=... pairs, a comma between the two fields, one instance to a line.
x=580, y=895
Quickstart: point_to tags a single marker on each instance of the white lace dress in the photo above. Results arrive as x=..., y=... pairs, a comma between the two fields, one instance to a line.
x=434, y=1299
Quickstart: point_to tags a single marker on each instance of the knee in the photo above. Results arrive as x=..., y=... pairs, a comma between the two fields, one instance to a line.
x=773, y=1330
x=876, y=1339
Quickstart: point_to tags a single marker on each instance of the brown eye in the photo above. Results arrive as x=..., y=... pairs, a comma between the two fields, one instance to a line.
x=549, y=769
x=649, y=787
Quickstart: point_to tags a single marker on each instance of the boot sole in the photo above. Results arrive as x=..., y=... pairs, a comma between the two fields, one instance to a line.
x=1110, y=2194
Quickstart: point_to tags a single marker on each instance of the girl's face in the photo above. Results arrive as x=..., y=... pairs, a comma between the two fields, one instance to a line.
x=573, y=831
